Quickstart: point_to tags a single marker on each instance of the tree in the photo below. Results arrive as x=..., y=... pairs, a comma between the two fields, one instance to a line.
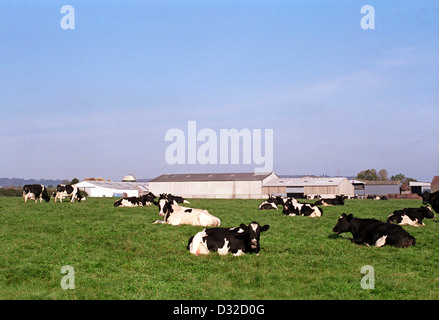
x=369, y=174
x=383, y=175
x=74, y=181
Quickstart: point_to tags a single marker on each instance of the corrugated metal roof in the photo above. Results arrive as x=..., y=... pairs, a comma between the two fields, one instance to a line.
x=247, y=176
x=116, y=185
x=304, y=181
x=369, y=182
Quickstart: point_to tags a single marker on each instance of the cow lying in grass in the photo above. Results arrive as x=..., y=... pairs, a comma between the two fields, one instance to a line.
x=141, y=201
x=239, y=240
x=271, y=203
x=337, y=201
x=175, y=215
x=292, y=207
x=373, y=232
x=411, y=216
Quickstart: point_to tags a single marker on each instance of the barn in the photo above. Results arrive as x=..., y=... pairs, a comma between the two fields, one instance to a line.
x=302, y=187
x=213, y=185
x=364, y=188
x=435, y=184
x=113, y=188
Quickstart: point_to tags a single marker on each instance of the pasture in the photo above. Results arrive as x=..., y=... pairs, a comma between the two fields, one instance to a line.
x=117, y=253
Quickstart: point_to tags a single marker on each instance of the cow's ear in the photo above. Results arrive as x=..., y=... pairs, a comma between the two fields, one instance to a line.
x=155, y=203
x=265, y=228
x=350, y=216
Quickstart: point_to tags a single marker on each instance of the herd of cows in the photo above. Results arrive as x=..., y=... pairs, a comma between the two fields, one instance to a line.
x=246, y=238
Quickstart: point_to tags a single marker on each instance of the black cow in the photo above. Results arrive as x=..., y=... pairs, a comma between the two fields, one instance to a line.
x=67, y=190
x=35, y=191
x=337, y=201
x=373, y=232
x=293, y=208
x=411, y=216
x=432, y=199
x=271, y=203
x=140, y=201
x=239, y=240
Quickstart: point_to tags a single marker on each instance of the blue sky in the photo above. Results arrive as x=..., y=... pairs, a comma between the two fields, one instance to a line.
x=99, y=99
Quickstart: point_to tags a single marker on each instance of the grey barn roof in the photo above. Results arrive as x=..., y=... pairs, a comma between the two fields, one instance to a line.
x=248, y=176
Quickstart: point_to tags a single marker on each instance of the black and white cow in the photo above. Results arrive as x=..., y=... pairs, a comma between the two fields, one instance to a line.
x=35, y=191
x=292, y=207
x=176, y=199
x=373, y=232
x=271, y=203
x=141, y=201
x=432, y=199
x=176, y=215
x=239, y=240
x=68, y=190
x=337, y=201
x=411, y=216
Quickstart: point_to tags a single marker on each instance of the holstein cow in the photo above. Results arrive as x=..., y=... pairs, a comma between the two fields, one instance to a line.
x=176, y=199
x=239, y=240
x=175, y=215
x=373, y=232
x=67, y=190
x=432, y=199
x=140, y=201
x=337, y=201
x=411, y=216
x=271, y=203
x=293, y=208
x=35, y=191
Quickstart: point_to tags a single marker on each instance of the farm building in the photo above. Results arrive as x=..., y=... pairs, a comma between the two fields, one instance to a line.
x=213, y=185
x=113, y=188
x=435, y=184
x=380, y=188
x=419, y=187
x=310, y=186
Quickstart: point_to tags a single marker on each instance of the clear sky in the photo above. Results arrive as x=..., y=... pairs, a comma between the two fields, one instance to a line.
x=99, y=99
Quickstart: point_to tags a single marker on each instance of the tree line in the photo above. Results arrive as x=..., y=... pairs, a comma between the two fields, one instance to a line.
x=382, y=175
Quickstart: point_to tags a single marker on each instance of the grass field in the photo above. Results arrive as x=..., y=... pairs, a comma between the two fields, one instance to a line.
x=118, y=254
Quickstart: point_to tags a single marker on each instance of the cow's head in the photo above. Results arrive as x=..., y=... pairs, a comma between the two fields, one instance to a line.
x=165, y=207
x=251, y=233
x=289, y=207
x=149, y=197
x=427, y=212
x=45, y=195
x=425, y=197
x=343, y=223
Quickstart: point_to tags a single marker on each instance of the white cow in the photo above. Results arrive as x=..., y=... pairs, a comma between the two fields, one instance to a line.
x=175, y=215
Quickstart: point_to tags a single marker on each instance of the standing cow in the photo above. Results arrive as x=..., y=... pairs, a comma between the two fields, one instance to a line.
x=35, y=191
x=67, y=190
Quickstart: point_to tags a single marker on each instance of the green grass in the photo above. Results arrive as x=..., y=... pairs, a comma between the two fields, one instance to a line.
x=118, y=254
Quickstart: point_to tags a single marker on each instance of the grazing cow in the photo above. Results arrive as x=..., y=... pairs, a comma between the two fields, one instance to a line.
x=175, y=215
x=411, y=216
x=35, y=191
x=271, y=203
x=373, y=232
x=293, y=208
x=176, y=199
x=239, y=240
x=337, y=201
x=140, y=201
x=432, y=199
x=67, y=190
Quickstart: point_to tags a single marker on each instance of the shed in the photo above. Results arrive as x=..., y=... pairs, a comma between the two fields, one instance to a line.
x=435, y=184
x=326, y=187
x=380, y=188
x=212, y=185
x=419, y=187
x=113, y=188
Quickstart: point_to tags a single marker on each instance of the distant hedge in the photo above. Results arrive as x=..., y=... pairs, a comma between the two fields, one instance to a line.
x=11, y=192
